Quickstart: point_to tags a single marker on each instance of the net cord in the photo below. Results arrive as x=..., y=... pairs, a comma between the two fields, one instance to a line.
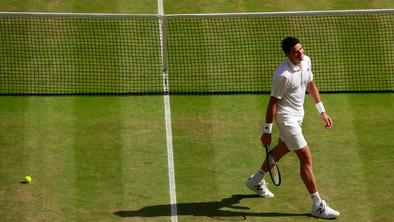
x=160, y=16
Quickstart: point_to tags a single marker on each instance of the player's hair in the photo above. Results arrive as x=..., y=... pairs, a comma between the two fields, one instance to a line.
x=289, y=42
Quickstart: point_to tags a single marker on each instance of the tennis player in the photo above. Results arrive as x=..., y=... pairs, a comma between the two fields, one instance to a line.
x=290, y=81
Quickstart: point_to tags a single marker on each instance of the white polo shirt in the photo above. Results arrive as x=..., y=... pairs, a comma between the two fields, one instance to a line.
x=289, y=85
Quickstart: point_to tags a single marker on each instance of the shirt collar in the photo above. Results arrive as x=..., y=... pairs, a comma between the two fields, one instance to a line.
x=292, y=66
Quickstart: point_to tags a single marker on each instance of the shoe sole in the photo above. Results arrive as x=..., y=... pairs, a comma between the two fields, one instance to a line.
x=328, y=218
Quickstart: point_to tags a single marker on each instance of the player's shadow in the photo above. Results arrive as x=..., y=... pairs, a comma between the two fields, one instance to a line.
x=216, y=209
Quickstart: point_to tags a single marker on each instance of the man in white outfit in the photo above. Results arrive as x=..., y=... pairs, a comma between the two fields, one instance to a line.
x=290, y=81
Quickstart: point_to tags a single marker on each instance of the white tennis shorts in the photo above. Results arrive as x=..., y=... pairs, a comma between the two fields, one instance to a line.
x=290, y=132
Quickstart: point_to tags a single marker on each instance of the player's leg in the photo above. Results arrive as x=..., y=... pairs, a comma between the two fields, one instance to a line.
x=277, y=152
x=306, y=171
x=256, y=182
x=319, y=206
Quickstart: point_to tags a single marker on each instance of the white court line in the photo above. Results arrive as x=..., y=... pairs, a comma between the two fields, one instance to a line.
x=170, y=154
x=170, y=157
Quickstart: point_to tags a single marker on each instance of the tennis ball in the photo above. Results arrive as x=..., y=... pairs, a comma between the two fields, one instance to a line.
x=27, y=179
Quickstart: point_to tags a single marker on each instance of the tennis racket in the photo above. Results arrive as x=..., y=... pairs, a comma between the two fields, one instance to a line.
x=272, y=163
x=273, y=167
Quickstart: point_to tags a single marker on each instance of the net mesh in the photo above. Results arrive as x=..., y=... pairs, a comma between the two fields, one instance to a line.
x=205, y=54
x=52, y=55
x=348, y=52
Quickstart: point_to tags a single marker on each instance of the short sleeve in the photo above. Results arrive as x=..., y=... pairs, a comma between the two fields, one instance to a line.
x=279, y=87
x=310, y=73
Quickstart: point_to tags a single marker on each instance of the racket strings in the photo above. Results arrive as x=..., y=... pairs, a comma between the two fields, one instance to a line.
x=275, y=174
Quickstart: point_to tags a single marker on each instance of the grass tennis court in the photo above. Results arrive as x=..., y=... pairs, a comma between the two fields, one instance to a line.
x=95, y=158
x=105, y=159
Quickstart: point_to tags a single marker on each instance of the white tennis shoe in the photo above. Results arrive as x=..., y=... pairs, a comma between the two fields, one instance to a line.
x=324, y=211
x=260, y=188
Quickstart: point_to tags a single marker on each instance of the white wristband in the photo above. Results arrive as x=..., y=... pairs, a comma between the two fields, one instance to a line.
x=268, y=128
x=320, y=107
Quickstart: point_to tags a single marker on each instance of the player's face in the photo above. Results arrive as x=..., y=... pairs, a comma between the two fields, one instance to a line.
x=296, y=54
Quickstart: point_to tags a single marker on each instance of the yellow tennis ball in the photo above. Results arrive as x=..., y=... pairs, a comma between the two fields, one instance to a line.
x=27, y=179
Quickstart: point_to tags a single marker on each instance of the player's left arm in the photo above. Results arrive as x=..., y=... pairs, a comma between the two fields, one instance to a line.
x=315, y=95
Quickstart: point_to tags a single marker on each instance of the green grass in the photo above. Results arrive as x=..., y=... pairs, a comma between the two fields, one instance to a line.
x=93, y=6
x=88, y=157
x=186, y=6
x=217, y=147
x=105, y=158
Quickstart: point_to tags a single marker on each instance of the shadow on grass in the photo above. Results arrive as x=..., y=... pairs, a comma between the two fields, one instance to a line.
x=215, y=209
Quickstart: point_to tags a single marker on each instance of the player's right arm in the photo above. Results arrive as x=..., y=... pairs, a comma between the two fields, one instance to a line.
x=269, y=119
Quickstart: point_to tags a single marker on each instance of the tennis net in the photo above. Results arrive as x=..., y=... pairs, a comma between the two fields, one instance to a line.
x=79, y=54
x=60, y=54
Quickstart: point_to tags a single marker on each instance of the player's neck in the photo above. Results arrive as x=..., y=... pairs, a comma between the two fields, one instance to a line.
x=296, y=63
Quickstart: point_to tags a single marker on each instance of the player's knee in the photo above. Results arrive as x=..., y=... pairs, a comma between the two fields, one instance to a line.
x=305, y=156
